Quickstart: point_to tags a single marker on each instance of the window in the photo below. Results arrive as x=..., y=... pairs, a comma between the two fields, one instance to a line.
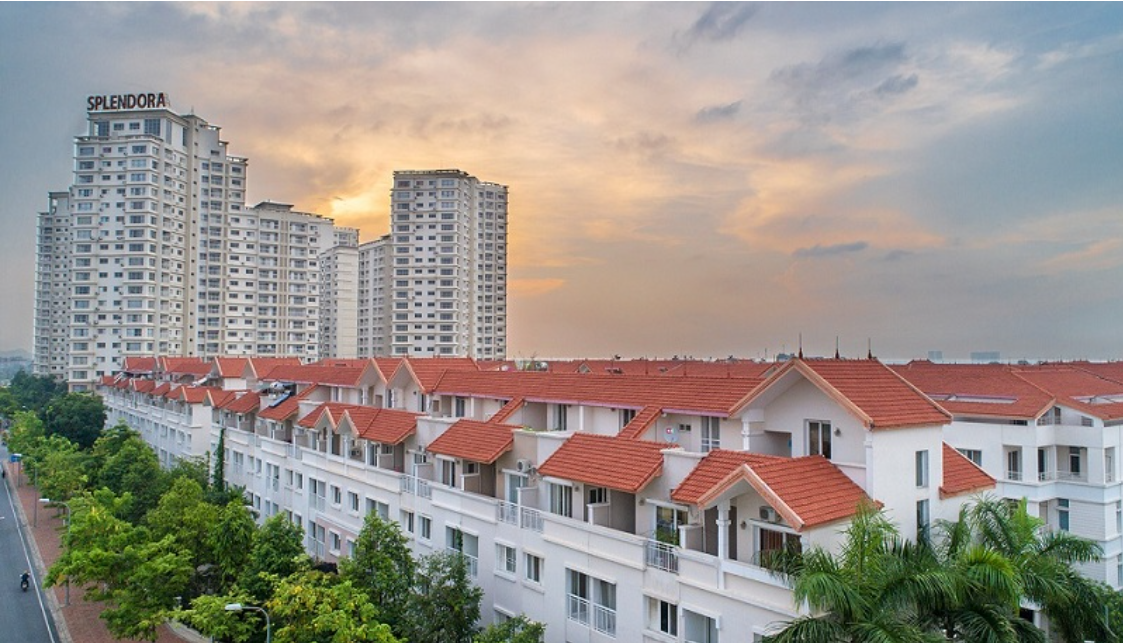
x=458, y=407
x=922, y=469
x=626, y=416
x=465, y=544
x=505, y=560
x=533, y=568
x=336, y=542
x=448, y=472
x=1074, y=461
x=711, y=434
x=974, y=455
x=424, y=527
x=819, y=438
x=699, y=628
x=591, y=601
x=561, y=500
x=667, y=523
x=380, y=509
x=1014, y=464
x=922, y=520
x=336, y=495
x=405, y=518
x=662, y=616
x=352, y=501
x=561, y=417
x=1062, y=514
x=597, y=495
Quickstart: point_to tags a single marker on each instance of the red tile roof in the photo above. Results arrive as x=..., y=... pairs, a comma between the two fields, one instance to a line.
x=286, y=408
x=605, y=461
x=977, y=390
x=231, y=366
x=508, y=409
x=161, y=389
x=328, y=375
x=1078, y=389
x=336, y=362
x=143, y=386
x=139, y=364
x=641, y=423
x=428, y=371
x=195, y=394
x=714, y=468
x=107, y=380
x=333, y=409
x=221, y=398
x=262, y=365
x=807, y=491
x=186, y=366
x=961, y=475
x=389, y=426
x=246, y=403
x=673, y=394
x=872, y=392
x=476, y=441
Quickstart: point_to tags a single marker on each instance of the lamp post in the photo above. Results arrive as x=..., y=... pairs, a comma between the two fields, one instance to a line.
x=67, y=543
x=238, y=607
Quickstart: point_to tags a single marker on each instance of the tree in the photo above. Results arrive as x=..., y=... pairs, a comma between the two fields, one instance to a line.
x=444, y=605
x=184, y=515
x=314, y=606
x=126, y=464
x=383, y=567
x=26, y=432
x=219, y=480
x=519, y=629
x=77, y=416
x=60, y=468
x=208, y=615
x=231, y=539
x=35, y=392
x=278, y=552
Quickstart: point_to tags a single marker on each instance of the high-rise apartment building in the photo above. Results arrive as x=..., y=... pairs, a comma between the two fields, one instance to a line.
x=444, y=269
x=153, y=250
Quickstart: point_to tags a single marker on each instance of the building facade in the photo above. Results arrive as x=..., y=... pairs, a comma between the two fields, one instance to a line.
x=152, y=250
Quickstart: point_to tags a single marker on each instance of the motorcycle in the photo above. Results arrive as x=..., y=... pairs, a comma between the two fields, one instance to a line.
x=24, y=583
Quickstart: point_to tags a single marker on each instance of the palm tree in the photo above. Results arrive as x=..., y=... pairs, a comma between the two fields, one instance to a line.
x=1043, y=560
x=877, y=590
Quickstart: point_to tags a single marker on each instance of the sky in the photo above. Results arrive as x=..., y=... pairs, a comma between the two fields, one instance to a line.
x=685, y=179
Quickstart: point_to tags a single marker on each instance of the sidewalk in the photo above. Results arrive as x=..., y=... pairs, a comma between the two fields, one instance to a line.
x=77, y=622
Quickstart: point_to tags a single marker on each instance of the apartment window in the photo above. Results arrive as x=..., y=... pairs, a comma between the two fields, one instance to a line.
x=505, y=560
x=533, y=568
x=336, y=495
x=448, y=472
x=819, y=438
x=662, y=616
x=353, y=501
x=1109, y=464
x=699, y=627
x=405, y=519
x=1119, y=570
x=380, y=509
x=974, y=455
x=464, y=544
x=1014, y=464
x=922, y=469
x=922, y=519
x=459, y=407
x=1074, y=461
x=561, y=500
x=561, y=417
x=711, y=434
x=424, y=527
x=1062, y=514
x=591, y=601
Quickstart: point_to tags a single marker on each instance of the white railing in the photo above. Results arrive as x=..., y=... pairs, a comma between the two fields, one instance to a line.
x=415, y=486
x=318, y=502
x=604, y=620
x=530, y=519
x=507, y=512
x=662, y=556
x=1013, y=475
x=578, y=609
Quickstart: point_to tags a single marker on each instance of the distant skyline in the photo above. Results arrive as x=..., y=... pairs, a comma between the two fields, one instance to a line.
x=685, y=179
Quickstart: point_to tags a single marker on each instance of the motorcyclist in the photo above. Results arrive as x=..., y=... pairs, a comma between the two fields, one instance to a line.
x=25, y=579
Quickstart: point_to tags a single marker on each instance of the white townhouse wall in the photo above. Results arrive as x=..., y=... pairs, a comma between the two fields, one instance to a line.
x=623, y=526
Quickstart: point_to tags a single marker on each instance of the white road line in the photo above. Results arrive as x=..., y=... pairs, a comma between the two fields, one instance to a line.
x=30, y=567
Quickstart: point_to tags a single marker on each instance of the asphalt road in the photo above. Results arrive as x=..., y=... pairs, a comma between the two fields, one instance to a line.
x=24, y=616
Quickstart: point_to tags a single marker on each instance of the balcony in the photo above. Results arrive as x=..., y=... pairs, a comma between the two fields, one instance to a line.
x=523, y=517
x=662, y=556
x=415, y=486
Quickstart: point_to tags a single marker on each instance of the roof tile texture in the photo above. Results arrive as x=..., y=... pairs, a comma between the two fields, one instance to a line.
x=606, y=461
x=477, y=441
x=961, y=475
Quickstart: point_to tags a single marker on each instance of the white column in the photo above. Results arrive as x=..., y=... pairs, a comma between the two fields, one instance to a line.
x=722, y=540
x=745, y=433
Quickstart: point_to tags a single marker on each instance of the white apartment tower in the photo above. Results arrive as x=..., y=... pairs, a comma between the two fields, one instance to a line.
x=153, y=252
x=446, y=267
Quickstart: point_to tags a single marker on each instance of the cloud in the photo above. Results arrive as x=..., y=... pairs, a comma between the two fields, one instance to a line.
x=721, y=21
x=898, y=84
x=716, y=113
x=533, y=287
x=817, y=250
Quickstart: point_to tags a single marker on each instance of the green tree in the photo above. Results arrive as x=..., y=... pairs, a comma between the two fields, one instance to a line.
x=125, y=463
x=35, y=392
x=519, y=629
x=26, y=432
x=231, y=539
x=184, y=515
x=444, y=605
x=219, y=474
x=383, y=566
x=77, y=416
x=278, y=552
x=60, y=468
x=208, y=615
x=314, y=606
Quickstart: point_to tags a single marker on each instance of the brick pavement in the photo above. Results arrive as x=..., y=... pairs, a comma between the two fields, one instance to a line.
x=79, y=621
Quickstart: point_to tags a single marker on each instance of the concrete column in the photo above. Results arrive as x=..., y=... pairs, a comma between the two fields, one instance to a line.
x=745, y=434
x=723, y=530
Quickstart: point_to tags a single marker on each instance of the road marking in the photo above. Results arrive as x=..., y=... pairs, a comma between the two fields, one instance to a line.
x=30, y=567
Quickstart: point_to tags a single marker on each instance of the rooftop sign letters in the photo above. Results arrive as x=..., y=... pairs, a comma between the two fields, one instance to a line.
x=126, y=101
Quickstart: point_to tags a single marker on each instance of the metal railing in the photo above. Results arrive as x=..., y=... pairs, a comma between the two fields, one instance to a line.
x=415, y=486
x=661, y=556
x=1013, y=475
x=524, y=517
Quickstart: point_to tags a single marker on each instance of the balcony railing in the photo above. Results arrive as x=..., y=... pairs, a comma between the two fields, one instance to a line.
x=662, y=556
x=1013, y=475
x=415, y=486
x=1064, y=476
x=524, y=517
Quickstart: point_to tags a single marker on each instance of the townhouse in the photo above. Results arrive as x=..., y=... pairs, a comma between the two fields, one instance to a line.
x=610, y=505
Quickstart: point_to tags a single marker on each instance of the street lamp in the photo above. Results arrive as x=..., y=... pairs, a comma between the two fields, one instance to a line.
x=48, y=500
x=238, y=607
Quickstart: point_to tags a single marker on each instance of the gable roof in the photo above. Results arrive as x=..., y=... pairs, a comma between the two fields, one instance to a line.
x=606, y=461
x=135, y=364
x=1079, y=389
x=641, y=422
x=868, y=389
x=477, y=441
x=333, y=409
x=428, y=371
x=286, y=407
x=961, y=475
x=389, y=426
x=807, y=491
x=246, y=403
x=327, y=375
x=186, y=366
x=508, y=410
x=712, y=469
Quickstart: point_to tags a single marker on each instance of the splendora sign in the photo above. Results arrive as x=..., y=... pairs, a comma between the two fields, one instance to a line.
x=126, y=101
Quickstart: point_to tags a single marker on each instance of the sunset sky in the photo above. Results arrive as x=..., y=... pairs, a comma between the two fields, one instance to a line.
x=684, y=178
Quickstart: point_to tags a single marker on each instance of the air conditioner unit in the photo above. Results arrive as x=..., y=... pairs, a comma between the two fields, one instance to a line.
x=768, y=514
x=523, y=465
